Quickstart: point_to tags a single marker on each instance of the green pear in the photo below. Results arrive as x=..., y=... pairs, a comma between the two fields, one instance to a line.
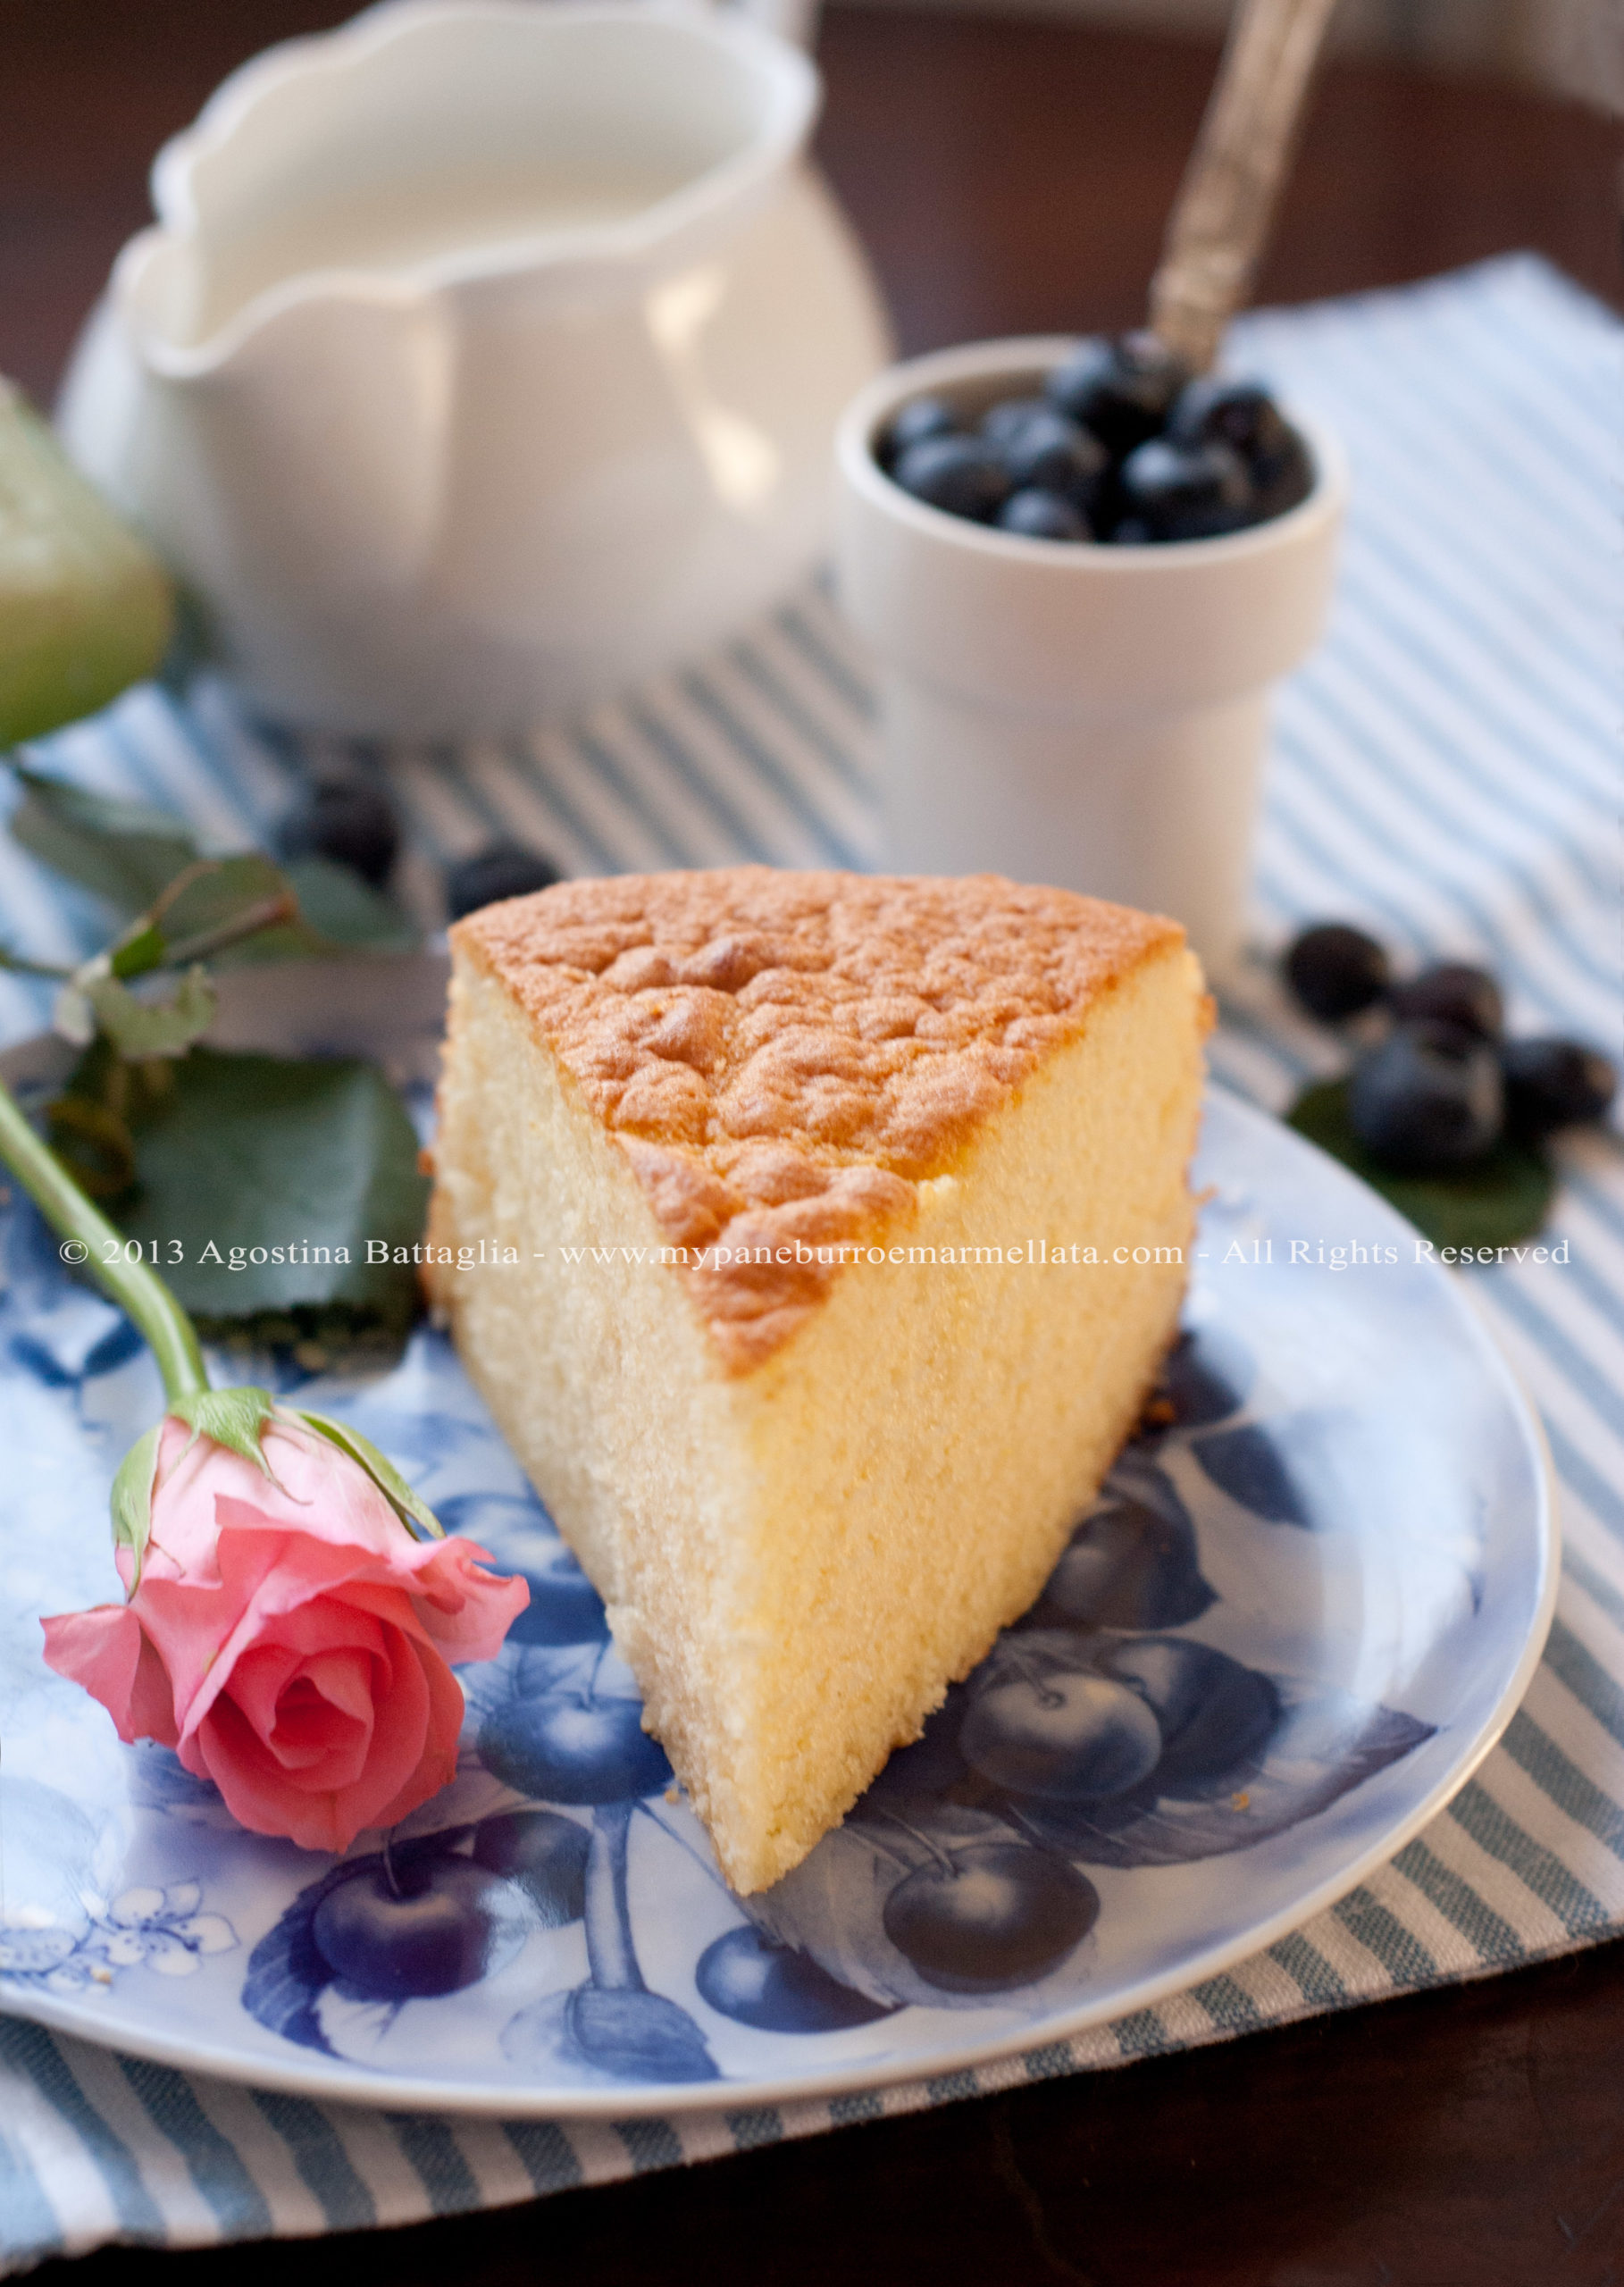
x=86, y=608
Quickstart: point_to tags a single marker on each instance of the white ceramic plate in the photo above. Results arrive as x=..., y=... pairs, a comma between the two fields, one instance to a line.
x=1300, y=1615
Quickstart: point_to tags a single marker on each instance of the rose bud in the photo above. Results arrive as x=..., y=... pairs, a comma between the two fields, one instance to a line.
x=285, y=1633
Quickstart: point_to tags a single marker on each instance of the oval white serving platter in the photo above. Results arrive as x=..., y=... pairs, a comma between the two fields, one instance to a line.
x=1300, y=1614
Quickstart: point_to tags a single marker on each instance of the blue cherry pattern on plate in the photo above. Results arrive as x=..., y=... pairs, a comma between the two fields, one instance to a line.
x=1091, y=1736
x=1301, y=1603
x=1099, y=1734
x=556, y=1919
x=553, y=1723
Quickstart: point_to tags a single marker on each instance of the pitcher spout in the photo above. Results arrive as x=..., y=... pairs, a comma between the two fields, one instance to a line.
x=486, y=356
x=305, y=442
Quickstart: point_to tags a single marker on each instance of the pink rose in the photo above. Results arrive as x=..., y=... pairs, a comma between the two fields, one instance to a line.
x=287, y=1636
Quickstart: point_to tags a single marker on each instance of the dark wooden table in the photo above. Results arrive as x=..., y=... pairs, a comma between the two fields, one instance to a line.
x=1013, y=176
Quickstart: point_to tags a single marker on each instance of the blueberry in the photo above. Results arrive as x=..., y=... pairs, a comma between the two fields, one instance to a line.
x=1186, y=491
x=925, y=417
x=1245, y=417
x=1123, y=390
x=1002, y=422
x=1049, y=454
x=349, y=822
x=1212, y=410
x=1043, y=516
x=1283, y=481
x=989, y=1915
x=1453, y=993
x=1428, y=1097
x=1131, y=531
x=963, y=476
x=1552, y=1083
x=1335, y=971
x=778, y=1989
x=501, y=869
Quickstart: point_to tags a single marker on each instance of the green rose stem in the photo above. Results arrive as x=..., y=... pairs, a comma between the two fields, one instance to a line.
x=235, y=1418
x=136, y=1289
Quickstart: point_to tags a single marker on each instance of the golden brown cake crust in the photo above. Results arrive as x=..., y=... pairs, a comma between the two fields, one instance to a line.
x=782, y=1056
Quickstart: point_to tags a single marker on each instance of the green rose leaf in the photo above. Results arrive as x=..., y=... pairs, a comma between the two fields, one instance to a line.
x=145, y=864
x=123, y=852
x=216, y=904
x=142, y=948
x=246, y=908
x=1498, y=1202
x=235, y=1419
x=19, y=964
x=90, y=1138
x=299, y=1162
x=85, y=608
x=335, y=912
x=139, y=1029
x=132, y=1499
x=343, y=911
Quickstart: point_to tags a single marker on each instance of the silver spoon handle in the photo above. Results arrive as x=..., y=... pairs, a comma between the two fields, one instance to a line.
x=1226, y=203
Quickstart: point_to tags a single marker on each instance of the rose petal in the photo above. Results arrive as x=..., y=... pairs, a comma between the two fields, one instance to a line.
x=187, y=1627
x=312, y=1698
x=300, y=1636
x=324, y=1806
x=266, y=1578
x=256, y=1788
x=107, y=1652
x=315, y=1491
x=257, y=1682
x=344, y=1683
x=301, y=1730
x=318, y=1745
x=404, y=1738
x=461, y=1605
x=437, y=1767
x=466, y=1609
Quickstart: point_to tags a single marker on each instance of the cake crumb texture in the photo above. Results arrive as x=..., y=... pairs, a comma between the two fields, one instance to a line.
x=811, y=1495
x=785, y=1056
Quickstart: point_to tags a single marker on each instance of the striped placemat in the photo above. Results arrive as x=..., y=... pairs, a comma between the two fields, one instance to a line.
x=1446, y=770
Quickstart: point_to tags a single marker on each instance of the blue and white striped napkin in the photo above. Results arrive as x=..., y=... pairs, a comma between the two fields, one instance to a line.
x=1447, y=770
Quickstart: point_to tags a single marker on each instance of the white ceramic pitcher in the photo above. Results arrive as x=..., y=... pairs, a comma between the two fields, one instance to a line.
x=485, y=358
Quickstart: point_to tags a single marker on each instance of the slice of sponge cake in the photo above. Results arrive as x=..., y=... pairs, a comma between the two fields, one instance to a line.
x=849, y=1219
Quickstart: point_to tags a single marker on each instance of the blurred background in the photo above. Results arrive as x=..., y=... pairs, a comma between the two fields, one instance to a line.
x=1553, y=43
x=1008, y=163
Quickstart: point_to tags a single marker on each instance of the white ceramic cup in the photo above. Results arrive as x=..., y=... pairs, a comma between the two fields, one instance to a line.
x=1094, y=717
